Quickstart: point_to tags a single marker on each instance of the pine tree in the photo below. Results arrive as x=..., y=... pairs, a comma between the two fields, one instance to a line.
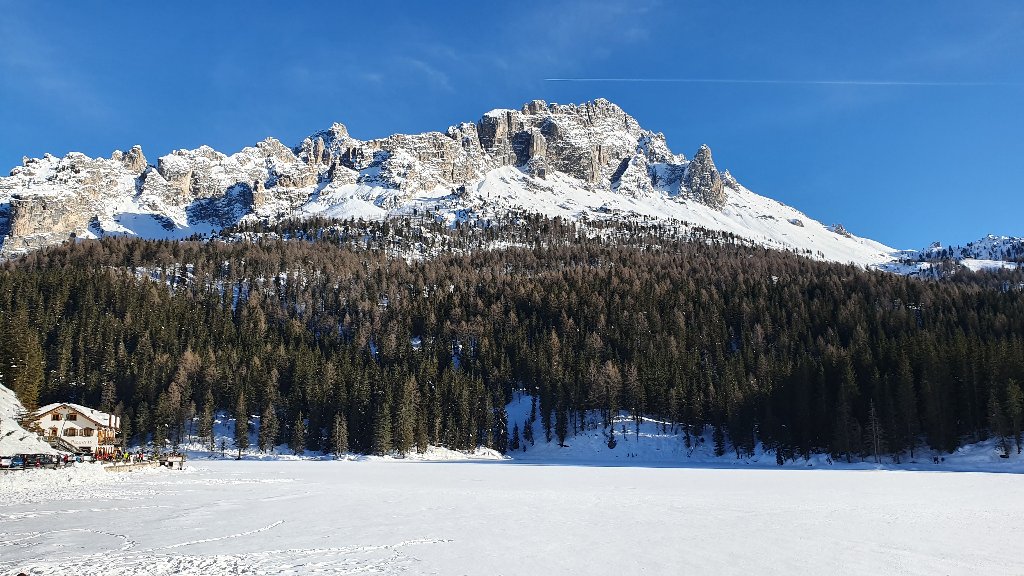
x=108, y=397
x=562, y=424
x=514, y=443
x=269, y=429
x=405, y=417
x=298, y=440
x=241, y=425
x=160, y=423
x=206, y=421
x=874, y=433
x=997, y=419
x=718, y=437
x=635, y=397
x=126, y=427
x=422, y=437
x=339, y=436
x=142, y=422
x=500, y=429
x=381, y=435
x=906, y=406
x=612, y=442
x=1014, y=411
x=24, y=371
x=528, y=433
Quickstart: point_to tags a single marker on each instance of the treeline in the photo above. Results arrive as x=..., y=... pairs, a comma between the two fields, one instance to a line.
x=337, y=343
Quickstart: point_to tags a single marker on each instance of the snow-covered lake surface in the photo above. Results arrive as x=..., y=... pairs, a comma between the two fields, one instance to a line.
x=391, y=517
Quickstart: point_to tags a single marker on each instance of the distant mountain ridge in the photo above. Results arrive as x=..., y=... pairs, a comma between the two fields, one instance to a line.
x=591, y=161
x=988, y=253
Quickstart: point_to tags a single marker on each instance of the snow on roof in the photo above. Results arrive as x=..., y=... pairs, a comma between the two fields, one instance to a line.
x=97, y=416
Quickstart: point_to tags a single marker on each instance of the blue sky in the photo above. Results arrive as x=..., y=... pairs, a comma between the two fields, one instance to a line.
x=904, y=164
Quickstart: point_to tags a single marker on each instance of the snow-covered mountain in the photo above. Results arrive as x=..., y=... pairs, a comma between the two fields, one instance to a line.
x=988, y=253
x=590, y=161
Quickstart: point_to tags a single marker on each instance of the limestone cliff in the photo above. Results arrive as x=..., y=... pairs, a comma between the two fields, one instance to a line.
x=595, y=144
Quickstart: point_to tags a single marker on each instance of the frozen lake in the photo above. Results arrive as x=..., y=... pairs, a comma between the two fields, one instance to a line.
x=311, y=517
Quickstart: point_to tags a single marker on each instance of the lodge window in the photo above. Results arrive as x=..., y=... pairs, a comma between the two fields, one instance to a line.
x=55, y=417
x=70, y=432
x=53, y=431
x=72, y=417
x=87, y=432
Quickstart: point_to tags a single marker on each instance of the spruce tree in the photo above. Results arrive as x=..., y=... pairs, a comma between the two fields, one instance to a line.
x=339, y=436
x=528, y=433
x=405, y=417
x=381, y=444
x=25, y=372
x=422, y=438
x=997, y=419
x=1014, y=411
x=297, y=444
x=269, y=428
x=514, y=443
x=718, y=437
x=906, y=405
x=142, y=423
x=562, y=424
x=241, y=425
x=206, y=421
x=874, y=430
x=635, y=397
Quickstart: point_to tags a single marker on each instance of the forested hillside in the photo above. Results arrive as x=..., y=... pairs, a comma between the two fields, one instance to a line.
x=375, y=337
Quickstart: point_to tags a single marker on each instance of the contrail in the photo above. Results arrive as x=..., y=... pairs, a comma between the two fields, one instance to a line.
x=786, y=82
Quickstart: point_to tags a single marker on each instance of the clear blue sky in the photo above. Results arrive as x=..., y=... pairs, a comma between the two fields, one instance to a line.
x=902, y=164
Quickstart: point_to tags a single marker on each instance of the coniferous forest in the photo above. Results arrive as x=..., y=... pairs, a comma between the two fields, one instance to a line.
x=377, y=337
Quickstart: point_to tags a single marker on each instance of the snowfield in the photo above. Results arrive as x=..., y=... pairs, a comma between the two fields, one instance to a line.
x=503, y=517
x=13, y=438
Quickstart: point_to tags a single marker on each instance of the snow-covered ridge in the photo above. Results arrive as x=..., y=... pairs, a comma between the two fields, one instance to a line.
x=588, y=161
x=986, y=254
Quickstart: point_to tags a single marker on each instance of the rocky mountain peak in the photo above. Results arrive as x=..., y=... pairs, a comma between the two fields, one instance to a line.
x=702, y=180
x=596, y=145
x=133, y=160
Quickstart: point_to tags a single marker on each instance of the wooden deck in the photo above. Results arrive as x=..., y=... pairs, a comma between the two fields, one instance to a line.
x=132, y=467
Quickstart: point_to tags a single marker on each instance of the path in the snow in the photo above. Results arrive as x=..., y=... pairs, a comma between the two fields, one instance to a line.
x=306, y=517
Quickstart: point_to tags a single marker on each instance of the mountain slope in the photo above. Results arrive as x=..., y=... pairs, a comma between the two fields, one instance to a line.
x=13, y=438
x=588, y=161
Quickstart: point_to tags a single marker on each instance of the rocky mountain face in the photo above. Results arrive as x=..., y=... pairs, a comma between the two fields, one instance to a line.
x=587, y=161
x=48, y=200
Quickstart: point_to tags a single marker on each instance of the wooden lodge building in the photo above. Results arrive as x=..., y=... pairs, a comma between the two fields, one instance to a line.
x=79, y=426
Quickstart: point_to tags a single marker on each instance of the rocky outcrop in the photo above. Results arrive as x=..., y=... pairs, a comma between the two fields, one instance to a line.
x=596, y=144
x=42, y=220
x=841, y=230
x=634, y=177
x=702, y=182
x=133, y=161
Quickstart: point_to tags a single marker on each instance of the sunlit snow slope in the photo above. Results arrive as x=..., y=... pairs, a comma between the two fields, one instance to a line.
x=13, y=438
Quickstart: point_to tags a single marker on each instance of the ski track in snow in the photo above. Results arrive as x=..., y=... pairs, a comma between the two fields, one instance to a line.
x=42, y=513
x=379, y=559
x=228, y=537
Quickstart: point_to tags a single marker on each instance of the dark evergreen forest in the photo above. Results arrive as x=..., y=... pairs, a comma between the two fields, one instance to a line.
x=374, y=337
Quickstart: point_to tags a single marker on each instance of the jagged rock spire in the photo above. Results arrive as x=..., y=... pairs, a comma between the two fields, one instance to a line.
x=702, y=180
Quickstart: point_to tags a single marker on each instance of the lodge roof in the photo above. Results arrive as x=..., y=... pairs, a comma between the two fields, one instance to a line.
x=98, y=417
